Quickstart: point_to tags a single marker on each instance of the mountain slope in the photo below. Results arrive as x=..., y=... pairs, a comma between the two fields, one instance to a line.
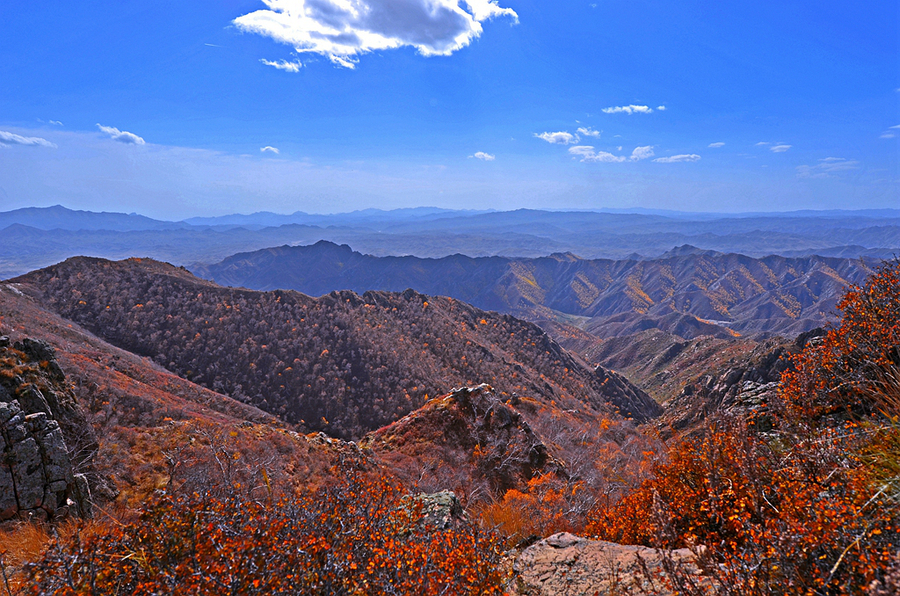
x=688, y=293
x=341, y=363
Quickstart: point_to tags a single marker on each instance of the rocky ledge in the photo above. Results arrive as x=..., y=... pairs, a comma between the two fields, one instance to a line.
x=37, y=410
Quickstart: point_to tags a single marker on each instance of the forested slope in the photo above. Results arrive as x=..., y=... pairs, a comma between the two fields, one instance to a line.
x=341, y=363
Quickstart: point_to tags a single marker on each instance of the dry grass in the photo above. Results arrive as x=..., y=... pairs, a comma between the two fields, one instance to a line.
x=20, y=544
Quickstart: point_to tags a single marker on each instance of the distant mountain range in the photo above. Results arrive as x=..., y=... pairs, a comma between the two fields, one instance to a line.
x=688, y=292
x=38, y=237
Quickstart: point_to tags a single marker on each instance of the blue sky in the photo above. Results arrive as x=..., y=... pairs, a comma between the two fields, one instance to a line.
x=204, y=108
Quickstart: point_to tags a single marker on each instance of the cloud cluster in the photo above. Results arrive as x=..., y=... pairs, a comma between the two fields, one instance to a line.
x=678, y=158
x=283, y=65
x=631, y=109
x=341, y=30
x=558, y=138
x=9, y=138
x=587, y=153
x=588, y=132
x=122, y=136
x=827, y=167
x=483, y=156
x=269, y=149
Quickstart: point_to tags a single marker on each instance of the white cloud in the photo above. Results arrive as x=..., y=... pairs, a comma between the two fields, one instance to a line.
x=716, y=145
x=283, y=65
x=779, y=148
x=55, y=122
x=129, y=138
x=589, y=132
x=640, y=153
x=827, y=167
x=269, y=149
x=632, y=109
x=587, y=153
x=483, y=156
x=14, y=139
x=661, y=108
x=341, y=30
x=763, y=144
x=895, y=126
x=558, y=138
x=887, y=135
x=678, y=158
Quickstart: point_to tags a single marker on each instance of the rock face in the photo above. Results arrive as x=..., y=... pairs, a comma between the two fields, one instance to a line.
x=566, y=564
x=39, y=422
x=469, y=430
x=744, y=388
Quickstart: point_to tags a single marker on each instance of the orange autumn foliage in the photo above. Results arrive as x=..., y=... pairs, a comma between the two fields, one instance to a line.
x=363, y=535
x=810, y=506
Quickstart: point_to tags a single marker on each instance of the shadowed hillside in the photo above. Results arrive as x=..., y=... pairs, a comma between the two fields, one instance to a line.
x=341, y=363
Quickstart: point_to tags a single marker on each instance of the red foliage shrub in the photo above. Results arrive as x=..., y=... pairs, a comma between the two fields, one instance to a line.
x=360, y=536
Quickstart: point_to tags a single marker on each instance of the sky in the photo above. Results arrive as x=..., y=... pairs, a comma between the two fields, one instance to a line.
x=180, y=109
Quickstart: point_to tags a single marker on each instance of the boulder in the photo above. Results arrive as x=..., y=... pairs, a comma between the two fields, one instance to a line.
x=567, y=564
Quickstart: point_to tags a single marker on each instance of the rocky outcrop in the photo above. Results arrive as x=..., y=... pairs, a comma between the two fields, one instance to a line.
x=41, y=475
x=469, y=431
x=565, y=564
x=744, y=388
x=439, y=511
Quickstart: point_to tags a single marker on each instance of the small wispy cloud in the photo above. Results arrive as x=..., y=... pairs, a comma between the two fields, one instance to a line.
x=9, y=138
x=779, y=148
x=678, y=158
x=558, y=138
x=661, y=108
x=716, y=145
x=827, y=167
x=630, y=109
x=589, y=132
x=588, y=153
x=122, y=136
x=269, y=149
x=55, y=122
x=483, y=156
x=763, y=144
x=283, y=65
x=889, y=133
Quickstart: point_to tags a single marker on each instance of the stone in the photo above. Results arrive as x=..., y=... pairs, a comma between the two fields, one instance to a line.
x=9, y=506
x=565, y=564
x=32, y=400
x=28, y=473
x=440, y=511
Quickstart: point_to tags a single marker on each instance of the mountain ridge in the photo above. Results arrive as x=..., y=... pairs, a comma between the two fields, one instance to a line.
x=690, y=292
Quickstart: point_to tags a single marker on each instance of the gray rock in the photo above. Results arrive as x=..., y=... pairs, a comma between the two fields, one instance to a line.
x=32, y=400
x=440, y=511
x=28, y=473
x=9, y=506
